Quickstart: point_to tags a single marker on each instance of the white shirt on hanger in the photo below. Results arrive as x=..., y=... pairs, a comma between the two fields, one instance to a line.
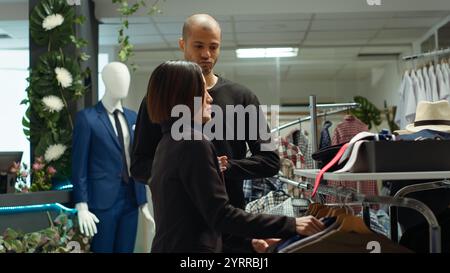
x=446, y=71
x=421, y=84
x=418, y=92
x=433, y=83
x=410, y=103
x=400, y=114
x=426, y=80
x=444, y=93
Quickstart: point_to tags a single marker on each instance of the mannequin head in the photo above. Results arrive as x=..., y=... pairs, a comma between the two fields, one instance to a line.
x=116, y=78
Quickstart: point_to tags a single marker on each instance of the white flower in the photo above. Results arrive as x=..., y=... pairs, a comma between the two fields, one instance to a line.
x=52, y=21
x=52, y=103
x=63, y=76
x=54, y=152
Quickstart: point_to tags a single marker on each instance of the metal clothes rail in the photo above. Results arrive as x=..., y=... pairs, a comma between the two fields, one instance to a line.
x=393, y=211
x=434, y=228
x=345, y=107
x=427, y=54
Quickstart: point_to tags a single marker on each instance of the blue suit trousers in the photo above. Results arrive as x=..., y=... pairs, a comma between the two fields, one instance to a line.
x=116, y=231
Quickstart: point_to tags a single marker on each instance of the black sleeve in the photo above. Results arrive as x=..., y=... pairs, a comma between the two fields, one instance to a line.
x=203, y=184
x=146, y=138
x=264, y=161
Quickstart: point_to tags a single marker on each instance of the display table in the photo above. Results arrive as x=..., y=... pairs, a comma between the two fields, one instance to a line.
x=27, y=221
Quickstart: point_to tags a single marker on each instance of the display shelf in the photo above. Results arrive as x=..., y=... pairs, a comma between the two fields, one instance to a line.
x=312, y=173
x=34, y=198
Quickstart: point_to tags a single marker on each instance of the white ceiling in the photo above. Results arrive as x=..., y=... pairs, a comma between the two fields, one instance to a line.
x=330, y=34
x=390, y=28
x=329, y=43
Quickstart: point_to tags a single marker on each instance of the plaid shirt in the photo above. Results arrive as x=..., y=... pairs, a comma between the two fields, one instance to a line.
x=292, y=152
x=266, y=203
x=257, y=188
x=299, y=138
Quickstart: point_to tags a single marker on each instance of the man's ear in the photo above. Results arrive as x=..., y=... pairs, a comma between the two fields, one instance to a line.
x=181, y=44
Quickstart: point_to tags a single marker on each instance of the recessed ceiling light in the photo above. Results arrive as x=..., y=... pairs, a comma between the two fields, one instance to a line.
x=267, y=52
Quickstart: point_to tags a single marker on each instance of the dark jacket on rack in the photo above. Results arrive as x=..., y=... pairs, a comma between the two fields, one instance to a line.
x=191, y=205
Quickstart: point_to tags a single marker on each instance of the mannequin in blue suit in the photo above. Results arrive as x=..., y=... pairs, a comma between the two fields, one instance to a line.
x=106, y=197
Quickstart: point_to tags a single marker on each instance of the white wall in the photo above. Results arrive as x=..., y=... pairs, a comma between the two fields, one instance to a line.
x=138, y=89
x=381, y=85
x=326, y=90
x=294, y=91
x=384, y=85
x=265, y=88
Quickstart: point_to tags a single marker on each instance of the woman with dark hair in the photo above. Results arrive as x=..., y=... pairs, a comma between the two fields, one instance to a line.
x=191, y=205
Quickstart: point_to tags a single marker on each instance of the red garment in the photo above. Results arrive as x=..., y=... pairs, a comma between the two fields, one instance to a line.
x=347, y=129
x=343, y=133
x=292, y=152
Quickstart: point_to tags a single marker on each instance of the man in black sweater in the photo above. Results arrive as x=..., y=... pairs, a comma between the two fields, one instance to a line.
x=201, y=44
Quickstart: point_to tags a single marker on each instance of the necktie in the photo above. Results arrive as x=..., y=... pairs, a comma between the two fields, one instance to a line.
x=125, y=175
x=327, y=167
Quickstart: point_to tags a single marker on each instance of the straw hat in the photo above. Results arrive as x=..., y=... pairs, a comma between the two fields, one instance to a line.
x=431, y=115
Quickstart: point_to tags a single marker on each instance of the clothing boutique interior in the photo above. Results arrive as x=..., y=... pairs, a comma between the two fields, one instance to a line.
x=356, y=96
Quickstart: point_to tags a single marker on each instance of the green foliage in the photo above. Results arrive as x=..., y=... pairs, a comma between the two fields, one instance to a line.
x=60, y=237
x=367, y=112
x=391, y=119
x=59, y=36
x=44, y=127
x=126, y=9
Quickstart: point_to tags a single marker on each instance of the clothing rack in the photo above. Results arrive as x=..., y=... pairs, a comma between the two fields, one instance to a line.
x=427, y=54
x=313, y=114
x=323, y=189
x=393, y=211
x=434, y=228
x=344, y=106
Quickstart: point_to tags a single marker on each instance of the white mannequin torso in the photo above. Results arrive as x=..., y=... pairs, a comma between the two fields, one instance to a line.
x=116, y=78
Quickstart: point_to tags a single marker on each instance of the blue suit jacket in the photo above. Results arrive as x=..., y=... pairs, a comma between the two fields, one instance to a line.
x=97, y=160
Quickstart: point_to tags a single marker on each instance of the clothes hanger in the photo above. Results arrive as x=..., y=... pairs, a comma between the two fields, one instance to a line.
x=313, y=208
x=323, y=212
x=350, y=223
x=316, y=208
x=310, y=208
x=339, y=210
x=349, y=209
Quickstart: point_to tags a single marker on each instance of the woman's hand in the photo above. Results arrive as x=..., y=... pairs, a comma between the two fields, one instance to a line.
x=308, y=225
x=261, y=246
x=223, y=162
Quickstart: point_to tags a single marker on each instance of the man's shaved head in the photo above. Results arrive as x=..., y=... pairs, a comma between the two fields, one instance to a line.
x=205, y=21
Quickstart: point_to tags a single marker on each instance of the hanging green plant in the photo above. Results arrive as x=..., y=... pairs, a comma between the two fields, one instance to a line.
x=126, y=9
x=51, y=23
x=367, y=112
x=390, y=117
